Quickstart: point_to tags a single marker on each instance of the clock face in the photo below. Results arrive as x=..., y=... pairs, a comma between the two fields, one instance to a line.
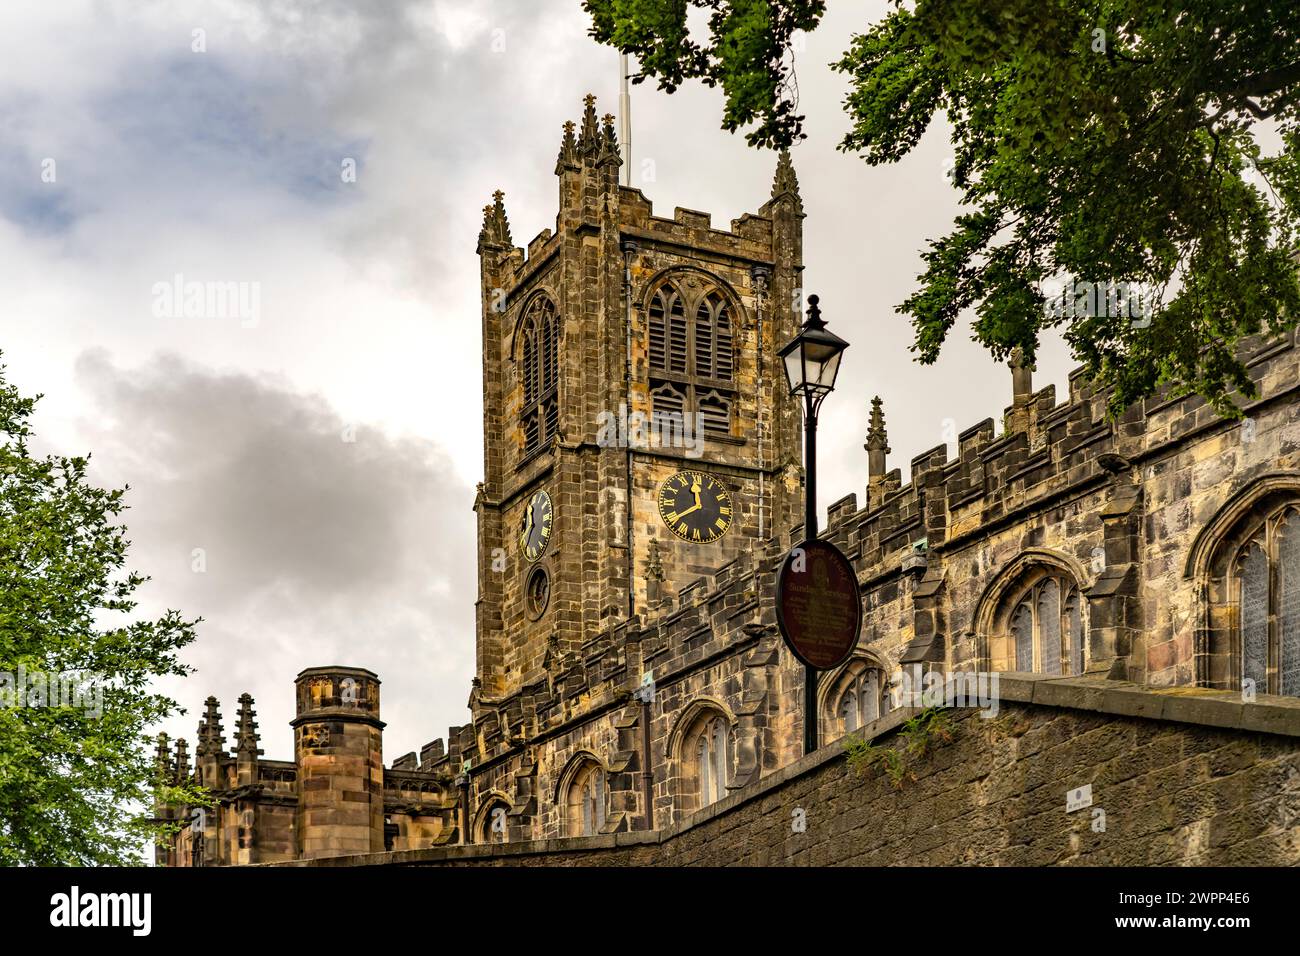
x=536, y=529
x=695, y=506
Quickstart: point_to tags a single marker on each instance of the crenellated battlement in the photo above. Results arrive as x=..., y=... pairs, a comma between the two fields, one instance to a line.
x=592, y=199
x=620, y=684
x=1045, y=451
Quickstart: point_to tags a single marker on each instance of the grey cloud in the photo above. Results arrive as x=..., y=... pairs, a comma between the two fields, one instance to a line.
x=318, y=550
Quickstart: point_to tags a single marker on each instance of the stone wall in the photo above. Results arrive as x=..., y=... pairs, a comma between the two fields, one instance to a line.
x=1183, y=777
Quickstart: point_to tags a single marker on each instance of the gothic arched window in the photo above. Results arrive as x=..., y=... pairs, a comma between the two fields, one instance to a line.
x=1046, y=628
x=856, y=697
x=586, y=800
x=540, y=331
x=492, y=826
x=712, y=753
x=701, y=755
x=1265, y=589
x=692, y=363
x=1038, y=625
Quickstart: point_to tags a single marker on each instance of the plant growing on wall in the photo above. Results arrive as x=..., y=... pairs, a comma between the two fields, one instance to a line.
x=919, y=736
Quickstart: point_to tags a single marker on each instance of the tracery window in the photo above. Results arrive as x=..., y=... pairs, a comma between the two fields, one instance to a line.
x=1265, y=587
x=1046, y=628
x=1037, y=623
x=862, y=700
x=712, y=749
x=587, y=800
x=540, y=331
x=692, y=357
x=492, y=824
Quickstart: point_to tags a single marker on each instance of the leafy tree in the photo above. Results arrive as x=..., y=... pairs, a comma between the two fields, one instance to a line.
x=1102, y=142
x=73, y=775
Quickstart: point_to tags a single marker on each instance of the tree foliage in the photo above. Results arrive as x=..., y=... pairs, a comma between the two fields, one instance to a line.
x=1093, y=142
x=74, y=778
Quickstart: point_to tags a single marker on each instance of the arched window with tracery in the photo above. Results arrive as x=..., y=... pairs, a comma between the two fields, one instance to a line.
x=713, y=761
x=856, y=696
x=492, y=825
x=702, y=753
x=539, y=372
x=1264, y=586
x=1039, y=624
x=692, y=357
x=586, y=800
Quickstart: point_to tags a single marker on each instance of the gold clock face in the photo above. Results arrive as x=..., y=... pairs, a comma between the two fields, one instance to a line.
x=539, y=516
x=695, y=506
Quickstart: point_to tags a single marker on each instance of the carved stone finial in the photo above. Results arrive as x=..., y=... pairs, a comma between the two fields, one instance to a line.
x=785, y=185
x=589, y=142
x=654, y=578
x=654, y=567
x=877, y=439
x=609, y=151
x=181, y=764
x=877, y=444
x=568, y=158
x=163, y=757
x=211, y=737
x=495, y=233
x=1022, y=376
x=246, y=734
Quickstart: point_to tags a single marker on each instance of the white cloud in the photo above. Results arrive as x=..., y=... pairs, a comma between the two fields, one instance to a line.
x=224, y=166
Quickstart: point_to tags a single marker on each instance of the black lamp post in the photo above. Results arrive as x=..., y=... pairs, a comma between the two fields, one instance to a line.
x=812, y=360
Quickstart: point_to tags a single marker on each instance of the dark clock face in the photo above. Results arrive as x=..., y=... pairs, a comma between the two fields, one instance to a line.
x=536, y=529
x=695, y=506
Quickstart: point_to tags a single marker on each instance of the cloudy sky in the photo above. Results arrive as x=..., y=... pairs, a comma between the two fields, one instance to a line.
x=316, y=454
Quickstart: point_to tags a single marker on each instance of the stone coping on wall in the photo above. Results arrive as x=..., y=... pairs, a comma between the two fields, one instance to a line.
x=1189, y=705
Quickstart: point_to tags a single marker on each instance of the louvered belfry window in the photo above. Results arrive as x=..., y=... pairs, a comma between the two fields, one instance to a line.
x=692, y=358
x=539, y=356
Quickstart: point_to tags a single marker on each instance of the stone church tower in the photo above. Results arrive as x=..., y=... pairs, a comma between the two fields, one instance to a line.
x=637, y=429
x=1128, y=584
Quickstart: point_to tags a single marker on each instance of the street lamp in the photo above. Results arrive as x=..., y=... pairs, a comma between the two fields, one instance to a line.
x=812, y=360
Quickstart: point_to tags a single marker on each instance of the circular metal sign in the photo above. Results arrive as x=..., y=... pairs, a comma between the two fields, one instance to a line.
x=818, y=604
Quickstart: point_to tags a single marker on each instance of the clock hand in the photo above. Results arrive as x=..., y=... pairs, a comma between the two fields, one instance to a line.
x=694, y=507
x=528, y=524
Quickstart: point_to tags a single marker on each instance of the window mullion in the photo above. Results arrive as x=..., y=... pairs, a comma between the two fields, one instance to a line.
x=1274, y=669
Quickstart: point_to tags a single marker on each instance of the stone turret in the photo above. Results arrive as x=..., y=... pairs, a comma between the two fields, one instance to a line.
x=246, y=742
x=338, y=745
x=181, y=765
x=210, y=746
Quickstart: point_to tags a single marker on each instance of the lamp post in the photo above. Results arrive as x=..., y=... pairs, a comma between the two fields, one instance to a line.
x=811, y=360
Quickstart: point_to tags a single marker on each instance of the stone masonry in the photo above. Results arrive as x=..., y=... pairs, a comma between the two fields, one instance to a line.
x=648, y=704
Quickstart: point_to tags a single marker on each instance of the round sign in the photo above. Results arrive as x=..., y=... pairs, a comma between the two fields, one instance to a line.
x=818, y=604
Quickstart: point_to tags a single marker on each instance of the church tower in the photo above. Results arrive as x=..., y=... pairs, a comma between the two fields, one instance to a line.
x=637, y=428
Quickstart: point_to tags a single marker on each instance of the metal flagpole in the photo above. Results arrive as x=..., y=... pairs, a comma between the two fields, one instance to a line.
x=625, y=119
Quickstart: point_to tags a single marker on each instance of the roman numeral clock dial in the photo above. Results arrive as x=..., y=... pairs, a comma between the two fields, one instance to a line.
x=535, y=534
x=695, y=506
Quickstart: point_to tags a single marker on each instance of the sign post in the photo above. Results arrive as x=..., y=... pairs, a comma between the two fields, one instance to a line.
x=819, y=613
